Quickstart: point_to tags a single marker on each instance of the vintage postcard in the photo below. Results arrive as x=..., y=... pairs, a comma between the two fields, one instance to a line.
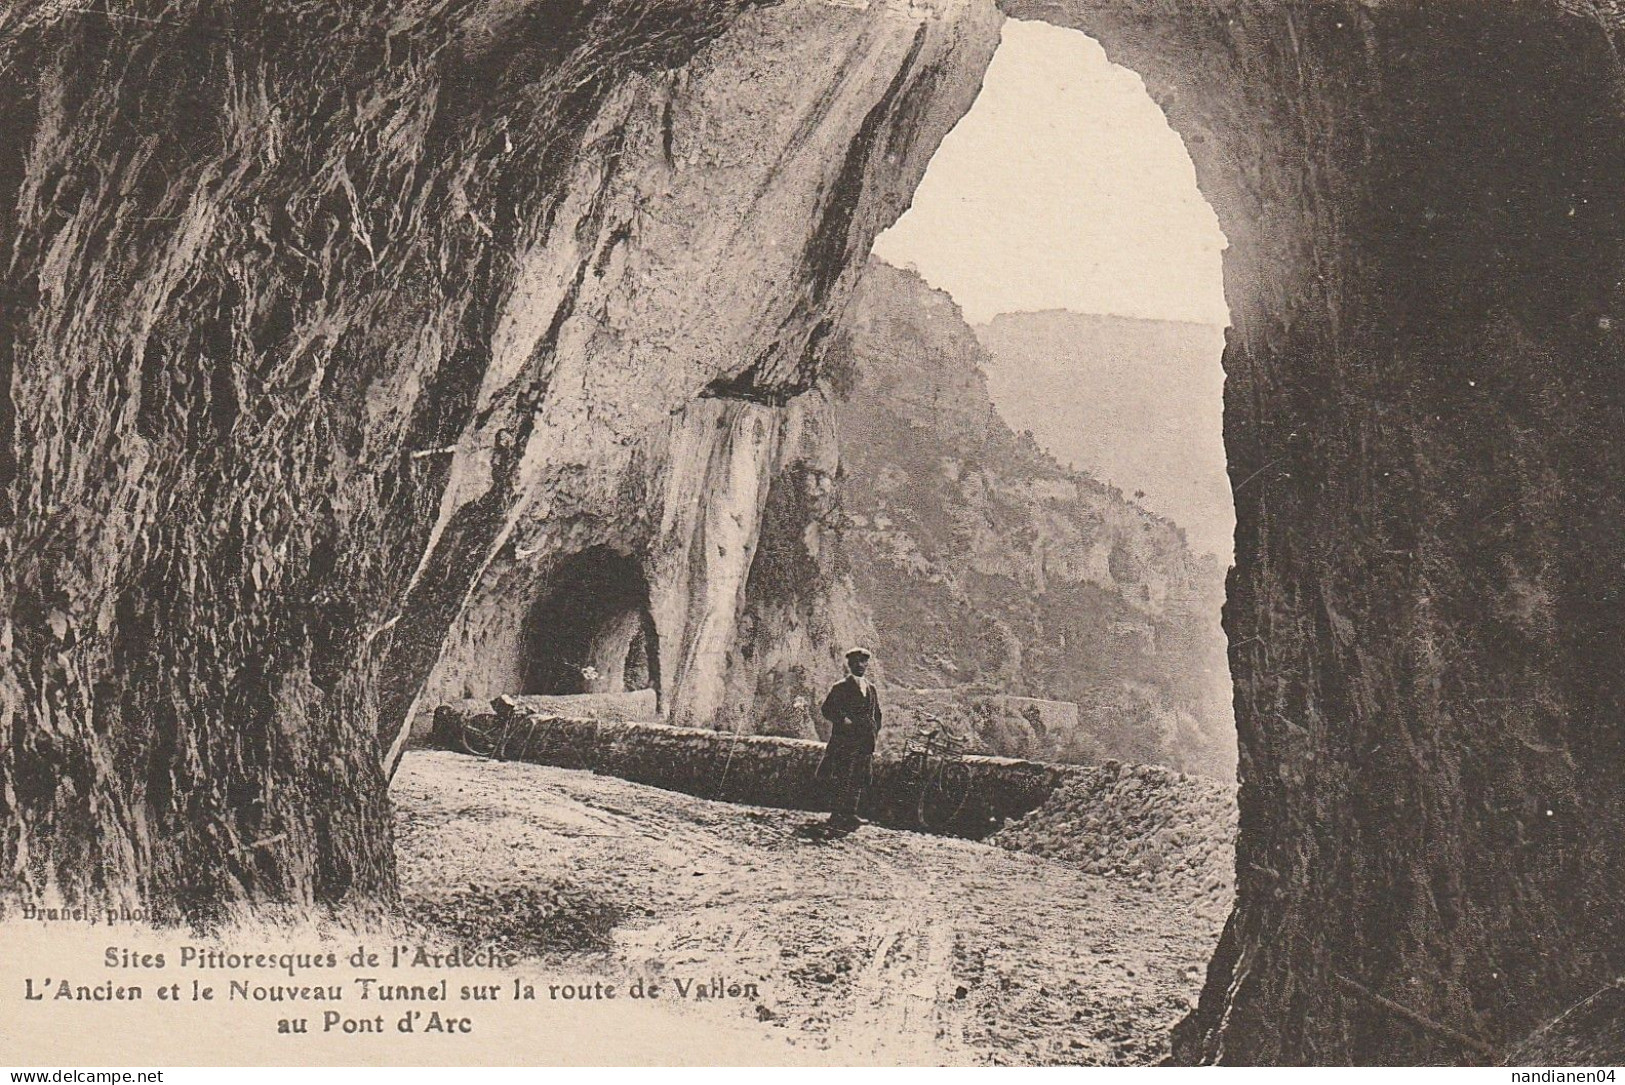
x=812, y=532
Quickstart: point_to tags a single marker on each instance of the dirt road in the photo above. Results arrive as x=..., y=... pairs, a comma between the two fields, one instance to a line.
x=882, y=947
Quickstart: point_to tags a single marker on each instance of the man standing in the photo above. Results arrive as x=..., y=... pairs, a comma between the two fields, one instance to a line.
x=853, y=711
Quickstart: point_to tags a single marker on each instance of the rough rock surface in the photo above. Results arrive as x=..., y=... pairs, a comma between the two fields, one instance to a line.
x=1145, y=825
x=972, y=797
x=1422, y=404
x=315, y=314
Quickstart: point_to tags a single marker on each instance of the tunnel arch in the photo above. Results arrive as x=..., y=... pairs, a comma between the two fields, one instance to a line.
x=1423, y=233
x=591, y=629
x=1408, y=282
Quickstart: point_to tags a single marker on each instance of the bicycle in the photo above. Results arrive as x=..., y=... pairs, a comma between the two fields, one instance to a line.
x=933, y=758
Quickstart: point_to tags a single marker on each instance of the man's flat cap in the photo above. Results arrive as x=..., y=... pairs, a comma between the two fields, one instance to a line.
x=859, y=653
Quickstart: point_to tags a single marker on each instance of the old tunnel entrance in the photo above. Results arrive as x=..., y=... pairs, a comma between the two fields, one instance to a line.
x=591, y=630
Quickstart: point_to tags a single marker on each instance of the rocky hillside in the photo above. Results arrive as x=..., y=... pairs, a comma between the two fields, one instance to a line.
x=988, y=566
x=1138, y=403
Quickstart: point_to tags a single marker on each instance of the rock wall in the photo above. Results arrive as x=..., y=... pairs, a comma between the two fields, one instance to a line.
x=317, y=316
x=993, y=723
x=1153, y=422
x=639, y=706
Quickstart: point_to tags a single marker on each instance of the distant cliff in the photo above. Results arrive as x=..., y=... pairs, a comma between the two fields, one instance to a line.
x=985, y=564
x=1136, y=402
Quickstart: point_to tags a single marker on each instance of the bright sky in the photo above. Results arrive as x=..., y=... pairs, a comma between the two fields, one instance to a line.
x=1063, y=188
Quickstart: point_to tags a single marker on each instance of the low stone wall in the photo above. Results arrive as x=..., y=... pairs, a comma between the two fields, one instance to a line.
x=972, y=797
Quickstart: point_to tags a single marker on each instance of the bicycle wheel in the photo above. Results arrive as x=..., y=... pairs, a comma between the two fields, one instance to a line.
x=484, y=736
x=905, y=787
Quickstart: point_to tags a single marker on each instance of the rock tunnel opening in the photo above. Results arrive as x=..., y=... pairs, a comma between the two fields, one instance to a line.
x=1030, y=395
x=1425, y=231
x=591, y=629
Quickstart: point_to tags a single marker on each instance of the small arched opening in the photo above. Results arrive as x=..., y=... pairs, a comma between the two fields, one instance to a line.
x=592, y=630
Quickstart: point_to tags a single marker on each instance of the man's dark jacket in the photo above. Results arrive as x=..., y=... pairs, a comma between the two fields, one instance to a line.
x=854, y=720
